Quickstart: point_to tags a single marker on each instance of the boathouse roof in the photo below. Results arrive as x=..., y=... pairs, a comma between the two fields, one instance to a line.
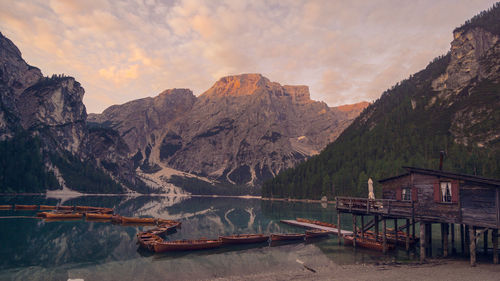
x=445, y=174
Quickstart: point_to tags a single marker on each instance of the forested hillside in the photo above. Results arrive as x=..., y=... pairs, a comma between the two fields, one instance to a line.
x=452, y=105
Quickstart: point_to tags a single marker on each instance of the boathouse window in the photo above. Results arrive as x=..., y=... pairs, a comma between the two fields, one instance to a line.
x=406, y=194
x=446, y=192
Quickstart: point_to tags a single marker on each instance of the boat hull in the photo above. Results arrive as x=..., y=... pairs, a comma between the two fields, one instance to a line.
x=317, y=233
x=287, y=237
x=367, y=243
x=98, y=216
x=244, y=239
x=63, y=216
x=5, y=207
x=186, y=245
x=138, y=220
x=26, y=207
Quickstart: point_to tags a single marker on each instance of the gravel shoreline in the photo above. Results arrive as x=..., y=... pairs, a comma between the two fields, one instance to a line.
x=452, y=270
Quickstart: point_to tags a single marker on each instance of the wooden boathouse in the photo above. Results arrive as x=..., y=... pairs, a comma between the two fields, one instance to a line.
x=432, y=197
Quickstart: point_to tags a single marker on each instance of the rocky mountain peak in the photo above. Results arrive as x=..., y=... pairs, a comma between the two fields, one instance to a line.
x=237, y=85
x=15, y=73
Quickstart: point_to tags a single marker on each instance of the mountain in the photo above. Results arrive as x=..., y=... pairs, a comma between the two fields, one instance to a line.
x=241, y=131
x=45, y=142
x=452, y=105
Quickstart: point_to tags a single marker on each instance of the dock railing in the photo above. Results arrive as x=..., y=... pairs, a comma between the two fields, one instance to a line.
x=376, y=206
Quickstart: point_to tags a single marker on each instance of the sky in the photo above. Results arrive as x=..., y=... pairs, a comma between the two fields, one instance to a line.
x=346, y=51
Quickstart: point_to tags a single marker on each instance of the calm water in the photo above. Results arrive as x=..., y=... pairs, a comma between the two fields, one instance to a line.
x=33, y=249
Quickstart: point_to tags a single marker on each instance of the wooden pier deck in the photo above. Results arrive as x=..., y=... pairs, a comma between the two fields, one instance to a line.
x=315, y=226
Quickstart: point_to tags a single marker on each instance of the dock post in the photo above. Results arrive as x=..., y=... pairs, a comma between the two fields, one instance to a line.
x=376, y=227
x=354, y=230
x=396, y=231
x=494, y=241
x=452, y=229
x=407, y=235
x=384, y=236
x=485, y=242
x=462, y=239
x=362, y=227
x=444, y=233
x=472, y=236
x=423, y=229
x=429, y=238
x=339, y=229
x=467, y=239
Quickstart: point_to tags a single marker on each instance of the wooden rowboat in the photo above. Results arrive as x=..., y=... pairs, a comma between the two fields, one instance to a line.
x=165, y=221
x=47, y=207
x=138, y=220
x=367, y=243
x=146, y=240
x=42, y=214
x=63, y=215
x=316, y=233
x=244, y=238
x=186, y=245
x=116, y=218
x=98, y=216
x=26, y=207
x=67, y=208
x=287, y=237
x=316, y=222
x=5, y=207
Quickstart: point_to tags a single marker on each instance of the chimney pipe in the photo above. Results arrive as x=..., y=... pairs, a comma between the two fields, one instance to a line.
x=441, y=156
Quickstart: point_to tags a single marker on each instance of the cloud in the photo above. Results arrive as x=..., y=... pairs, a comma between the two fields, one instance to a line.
x=346, y=51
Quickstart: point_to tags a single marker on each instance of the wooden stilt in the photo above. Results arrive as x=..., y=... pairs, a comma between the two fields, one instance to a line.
x=413, y=227
x=429, y=240
x=384, y=236
x=485, y=242
x=396, y=230
x=354, y=230
x=452, y=229
x=445, y=239
x=467, y=239
x=462, y=239
x=407, y=235
x=362, y=227
x=494, y=241
x=472, y=236
x=376, y=227
x=422, y=241
x=339, y=233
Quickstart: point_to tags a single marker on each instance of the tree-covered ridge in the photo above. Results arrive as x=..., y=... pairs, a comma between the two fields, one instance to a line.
x=488, y=20
x=403, y=127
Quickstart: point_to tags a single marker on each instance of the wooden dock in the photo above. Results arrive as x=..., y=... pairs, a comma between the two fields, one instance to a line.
x=315, y=226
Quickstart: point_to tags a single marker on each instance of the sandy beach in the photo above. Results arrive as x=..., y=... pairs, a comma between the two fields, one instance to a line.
x=456, y=270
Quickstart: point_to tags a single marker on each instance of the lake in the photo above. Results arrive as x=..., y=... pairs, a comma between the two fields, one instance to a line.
x=33, y=249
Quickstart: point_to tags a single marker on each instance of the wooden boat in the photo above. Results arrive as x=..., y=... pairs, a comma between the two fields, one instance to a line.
x=116, y=218
x=368, y=243
x=48, y=207
x=106, y=210
x=186, y=245
x=316, y=233
x=5, y=207
x=316, y=222
x=391, y=238
x=138, y=220
x=146, y=240
x=98, y=216
x=165, y=221
x=42, y=214
x=244, y=238
x=67, y=208
x=58, y=215
x=26, y=207
x=287, y=236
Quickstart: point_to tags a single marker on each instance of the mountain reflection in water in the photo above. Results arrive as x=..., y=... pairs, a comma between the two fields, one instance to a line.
x=38, y=250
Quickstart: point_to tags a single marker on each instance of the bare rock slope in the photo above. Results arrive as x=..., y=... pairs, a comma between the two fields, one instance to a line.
x=242, y=130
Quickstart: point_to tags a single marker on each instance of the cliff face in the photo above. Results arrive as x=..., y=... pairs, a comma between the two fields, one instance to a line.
x=51, y=110
x=242, y=130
